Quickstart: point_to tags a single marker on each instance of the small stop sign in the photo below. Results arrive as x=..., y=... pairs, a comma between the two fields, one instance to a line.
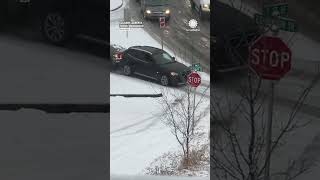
x=194, y=79
x=162, y=21
x=270, y=58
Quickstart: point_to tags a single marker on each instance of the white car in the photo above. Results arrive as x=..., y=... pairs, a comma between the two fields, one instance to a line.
x=201, y=6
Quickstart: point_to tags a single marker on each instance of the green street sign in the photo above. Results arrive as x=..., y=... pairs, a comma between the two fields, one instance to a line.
x=196, y=67
x=284, y=24
x=276, y=9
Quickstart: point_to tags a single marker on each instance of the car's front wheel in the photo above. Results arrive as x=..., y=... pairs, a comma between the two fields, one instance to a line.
x=164, y=80
x=127, y=70
x=56, y=28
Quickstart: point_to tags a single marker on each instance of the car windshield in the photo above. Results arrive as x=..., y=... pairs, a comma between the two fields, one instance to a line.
x=163, y=58
x=157, y=2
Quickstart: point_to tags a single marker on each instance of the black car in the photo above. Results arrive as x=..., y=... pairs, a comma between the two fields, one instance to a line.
x=153, y=63
x=60, y=20
x=154, y=9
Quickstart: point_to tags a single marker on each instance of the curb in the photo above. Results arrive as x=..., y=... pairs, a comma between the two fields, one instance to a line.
x=111, y=10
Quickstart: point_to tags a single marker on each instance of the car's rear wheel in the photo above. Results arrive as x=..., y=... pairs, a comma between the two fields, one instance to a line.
x=127, y=70
x=56, y=28
x=164, y=80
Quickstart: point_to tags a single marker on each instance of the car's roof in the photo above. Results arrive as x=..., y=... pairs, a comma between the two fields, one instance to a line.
x=149, y=49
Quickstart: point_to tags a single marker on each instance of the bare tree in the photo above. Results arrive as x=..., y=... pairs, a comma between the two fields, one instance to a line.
x=183, y=114
x=237, y=152
x=238, y=127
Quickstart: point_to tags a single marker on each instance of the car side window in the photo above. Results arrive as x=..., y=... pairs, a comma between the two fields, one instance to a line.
x=148, y=58
x=140, y=55
x=132, y=53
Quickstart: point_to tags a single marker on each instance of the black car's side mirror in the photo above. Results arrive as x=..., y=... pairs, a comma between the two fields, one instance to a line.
x=173, y=58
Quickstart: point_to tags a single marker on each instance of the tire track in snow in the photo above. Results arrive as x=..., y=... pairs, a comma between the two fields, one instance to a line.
x=142, y=121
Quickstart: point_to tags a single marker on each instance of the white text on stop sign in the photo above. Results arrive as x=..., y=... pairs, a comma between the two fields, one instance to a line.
x=271, y=58
x=195, y=80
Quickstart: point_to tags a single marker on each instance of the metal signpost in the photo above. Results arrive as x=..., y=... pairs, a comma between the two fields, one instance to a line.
x=194, y=80
x=270, y=58
x=162, y=21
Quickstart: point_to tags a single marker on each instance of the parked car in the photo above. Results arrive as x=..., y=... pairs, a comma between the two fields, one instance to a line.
x=152, y=63
x=202, y=7
x=60, y=20
x=154, y=9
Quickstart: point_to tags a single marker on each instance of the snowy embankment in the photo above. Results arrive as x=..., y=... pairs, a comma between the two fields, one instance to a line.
x=137, y=134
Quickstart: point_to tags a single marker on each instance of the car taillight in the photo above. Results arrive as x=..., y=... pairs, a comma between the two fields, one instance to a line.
x=119, y=56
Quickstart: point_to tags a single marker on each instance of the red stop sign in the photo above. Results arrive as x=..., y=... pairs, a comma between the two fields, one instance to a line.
x=194, y=79
x=270, y=57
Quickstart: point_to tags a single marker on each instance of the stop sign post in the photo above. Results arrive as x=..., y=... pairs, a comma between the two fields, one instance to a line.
x=270, y=58
x=162, y=21
x=194, y=80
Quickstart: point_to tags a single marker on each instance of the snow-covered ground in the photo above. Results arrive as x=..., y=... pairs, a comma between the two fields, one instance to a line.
x=137, y=135
x=32, y=72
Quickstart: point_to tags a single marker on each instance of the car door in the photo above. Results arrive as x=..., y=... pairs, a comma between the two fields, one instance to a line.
x=141, y=63
x=132, y=58
x=150, y=67
x=92, y=17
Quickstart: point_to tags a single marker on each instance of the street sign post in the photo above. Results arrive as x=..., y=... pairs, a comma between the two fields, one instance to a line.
x=270, y=57
x=194, y=79
x=162, y=21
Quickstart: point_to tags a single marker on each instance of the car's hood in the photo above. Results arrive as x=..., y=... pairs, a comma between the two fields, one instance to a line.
x=205, y=1
x=174, y=67
x=157, y=8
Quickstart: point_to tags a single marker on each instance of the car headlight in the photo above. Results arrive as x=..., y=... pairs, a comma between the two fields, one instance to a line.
x=148, y=11
x=174, y=74
x=167, y=11
x=206, y=5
